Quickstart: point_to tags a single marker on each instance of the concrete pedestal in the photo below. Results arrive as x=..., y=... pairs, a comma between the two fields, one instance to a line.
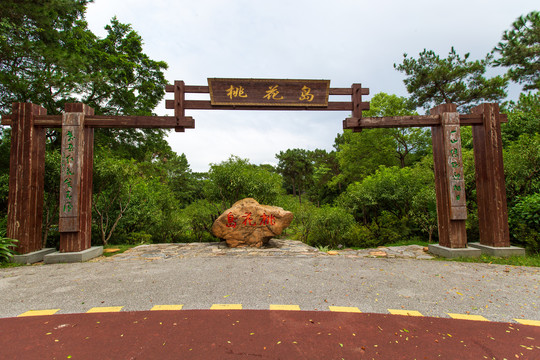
x=71, y=257
x=454, y=252
x=499, y=251
x=32, y=257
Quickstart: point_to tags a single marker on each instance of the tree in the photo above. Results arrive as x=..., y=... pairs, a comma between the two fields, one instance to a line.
x=432, y=80
x=325, y=167
x=236, y=178
x=114, y=180
x=296, y=168
x=38, y=63
x=519, y=50
x=523, y=117
x=50, y=57
x=361, y=154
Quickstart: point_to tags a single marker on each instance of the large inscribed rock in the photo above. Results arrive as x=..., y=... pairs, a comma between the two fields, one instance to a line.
x=247, y=223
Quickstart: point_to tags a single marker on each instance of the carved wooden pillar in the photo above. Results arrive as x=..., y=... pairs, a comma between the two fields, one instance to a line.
x=490, y=186
x=449, y=180
x=26, y=171
x=75, y=221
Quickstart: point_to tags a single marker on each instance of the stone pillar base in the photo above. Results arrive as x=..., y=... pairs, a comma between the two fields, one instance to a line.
x=72, y=257
x=32, y=257
x=447, y=252
x=499, y=251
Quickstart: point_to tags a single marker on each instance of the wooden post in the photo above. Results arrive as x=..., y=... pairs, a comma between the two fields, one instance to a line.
x=356, y=99
x=490, y=186
x=449, y=181
x=76, y=180
x=26, y=176
x=179, y=97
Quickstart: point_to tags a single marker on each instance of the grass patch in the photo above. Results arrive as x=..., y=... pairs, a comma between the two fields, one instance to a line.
x=398, y=243
x=5, y=264
x=408, y=242
x=122, y=248
x=527, y=260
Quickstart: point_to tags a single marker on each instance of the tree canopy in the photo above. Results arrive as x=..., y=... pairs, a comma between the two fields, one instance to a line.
x=432, y=80
x=48, y=56
x=519, y=50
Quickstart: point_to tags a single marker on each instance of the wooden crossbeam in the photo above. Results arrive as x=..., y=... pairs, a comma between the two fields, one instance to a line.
x=106, y=121
x=412, y=121
x=206, y=105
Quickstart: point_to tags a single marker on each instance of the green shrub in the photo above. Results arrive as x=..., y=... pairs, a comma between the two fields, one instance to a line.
x=524, y=219
x=6, y=246
x=331, y=226
x=136, y=238
x=199, y=217
x=362, y=236
x=304, y=215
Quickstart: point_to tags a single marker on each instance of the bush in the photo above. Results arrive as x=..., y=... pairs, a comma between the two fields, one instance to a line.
x=7, y=246
x=524, y=219
x=331, y=226
x=198, y=218
x=304, y=215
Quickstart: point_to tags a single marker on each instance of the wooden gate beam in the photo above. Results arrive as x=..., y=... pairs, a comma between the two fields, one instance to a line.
x=26, y=177
x=413, y=121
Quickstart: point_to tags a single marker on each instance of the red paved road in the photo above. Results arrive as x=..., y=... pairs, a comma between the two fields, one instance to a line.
x=261, y=334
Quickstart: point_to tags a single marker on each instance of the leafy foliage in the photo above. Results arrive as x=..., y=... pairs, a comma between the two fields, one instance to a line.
x=330, y=227
x=432, y=80
x=524, y=219
x=50, y=57
x=296, y=168
x=6, y=246
x=236, y=178
x=519, y=50
x=40, y=62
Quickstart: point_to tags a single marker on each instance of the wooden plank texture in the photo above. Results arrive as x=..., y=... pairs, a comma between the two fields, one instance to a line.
x=412, y=121
x=26, y=176
x=206, y=105
x=490, y=184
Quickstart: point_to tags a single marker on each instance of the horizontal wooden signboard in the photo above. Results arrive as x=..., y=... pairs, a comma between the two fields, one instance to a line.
x=269, y=92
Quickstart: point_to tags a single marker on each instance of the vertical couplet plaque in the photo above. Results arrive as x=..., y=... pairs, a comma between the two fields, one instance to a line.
x=70, y=177
x=454, y=166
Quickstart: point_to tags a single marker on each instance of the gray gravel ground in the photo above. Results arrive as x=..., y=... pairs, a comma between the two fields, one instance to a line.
x=434, y=288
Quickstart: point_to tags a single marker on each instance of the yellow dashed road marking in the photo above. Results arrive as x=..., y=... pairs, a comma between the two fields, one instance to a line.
x=404, y=312
x=167, y=307
x=467, y=317
x=105, y=309
x=226, y=307
x=284, y=307
x=39, y=312
x=528, y=322
x=350, y=309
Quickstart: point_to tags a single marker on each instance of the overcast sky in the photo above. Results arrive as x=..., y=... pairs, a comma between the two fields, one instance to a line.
x=345, y=41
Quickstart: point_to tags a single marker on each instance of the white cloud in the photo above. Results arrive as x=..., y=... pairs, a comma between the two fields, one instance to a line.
x=346, y=41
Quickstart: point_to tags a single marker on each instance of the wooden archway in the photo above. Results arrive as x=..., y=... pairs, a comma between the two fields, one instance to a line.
x=28, y=122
